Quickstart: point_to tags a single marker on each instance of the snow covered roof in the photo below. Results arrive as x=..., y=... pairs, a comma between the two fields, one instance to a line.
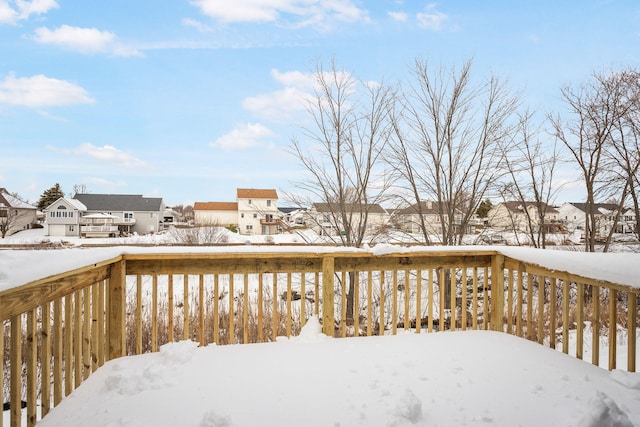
x=13, y=202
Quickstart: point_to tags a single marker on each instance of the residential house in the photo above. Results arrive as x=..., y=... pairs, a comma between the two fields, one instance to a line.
x=573, y=215
x=517, y=216
x=223, y=214
x=15, y=215
x=629, y=221
x=322, y=221
x=293, y=216
x=255, y=211
x=63, y=217
x=408, y=219
x=131, y=213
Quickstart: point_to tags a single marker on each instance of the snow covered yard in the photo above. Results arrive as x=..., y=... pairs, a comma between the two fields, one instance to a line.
x=473, y=378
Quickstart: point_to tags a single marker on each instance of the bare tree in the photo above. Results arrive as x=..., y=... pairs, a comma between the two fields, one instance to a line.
x=623, y=156
x=595, y=110
x=531, y=166
x=8, y=217
x=448, y=141
x=341, y=154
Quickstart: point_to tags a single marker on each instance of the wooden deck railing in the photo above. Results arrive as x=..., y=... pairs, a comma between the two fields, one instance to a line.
x=57, y=331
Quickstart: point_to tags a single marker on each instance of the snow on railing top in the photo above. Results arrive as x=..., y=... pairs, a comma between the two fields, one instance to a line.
x=19, y=267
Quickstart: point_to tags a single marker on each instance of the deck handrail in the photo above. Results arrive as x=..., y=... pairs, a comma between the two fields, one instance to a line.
x=74, y=321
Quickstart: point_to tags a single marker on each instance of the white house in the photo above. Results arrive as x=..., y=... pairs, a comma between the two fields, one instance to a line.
x=524, y=217
x=573, y=215
x=408, y=219
x=132, y=213
x=15, y=215
x=254, y=212
x=63, y=217
x=222, y=214
x=324, y=219
x=257, y=211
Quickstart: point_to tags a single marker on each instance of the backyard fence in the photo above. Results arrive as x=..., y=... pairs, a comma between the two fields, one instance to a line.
x=57, y=331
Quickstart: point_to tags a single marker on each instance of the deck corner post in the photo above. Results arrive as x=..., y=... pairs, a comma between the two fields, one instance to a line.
x=116, y=311
x=497, y=292
x=328, y=316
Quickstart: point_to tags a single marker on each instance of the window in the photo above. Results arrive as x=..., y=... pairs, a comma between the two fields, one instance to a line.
x=72, y=228
x=249, y=227
x=268, y=202
x=70, y=214
x=255, y=215
x=249, y=201
x=241, y=215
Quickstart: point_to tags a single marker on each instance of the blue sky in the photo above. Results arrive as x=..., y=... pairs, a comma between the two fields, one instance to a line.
x=189, y=100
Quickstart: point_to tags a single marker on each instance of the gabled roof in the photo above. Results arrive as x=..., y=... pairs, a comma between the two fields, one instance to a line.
x=350, y=207
x=427, y=208
x=120, y=202
x=75, y=204
x=13, y=202
x=256, y=193
x=215, y=206
x=598, y=207
x=516, y=206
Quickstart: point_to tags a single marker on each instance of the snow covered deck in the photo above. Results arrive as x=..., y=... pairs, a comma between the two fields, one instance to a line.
x=76, y=309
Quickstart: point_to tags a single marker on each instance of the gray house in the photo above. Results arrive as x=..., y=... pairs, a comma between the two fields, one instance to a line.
x=127, y=213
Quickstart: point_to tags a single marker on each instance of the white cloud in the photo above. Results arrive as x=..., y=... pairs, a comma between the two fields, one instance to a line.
x=316, y=13
x=243, y=137
x=105, y=182
x=203, y=28
x=109, y=153
x=106, y=153
x=22, y=9
x=281, y=105
x=398, y=16
x=84, y=40
x=432, y=19
x=41, y=91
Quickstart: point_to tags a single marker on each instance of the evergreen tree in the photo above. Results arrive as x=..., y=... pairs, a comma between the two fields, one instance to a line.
x=49, y=196
x=483, y=209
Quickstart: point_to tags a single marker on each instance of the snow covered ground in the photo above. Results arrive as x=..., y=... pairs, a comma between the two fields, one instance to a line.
x=473, y=378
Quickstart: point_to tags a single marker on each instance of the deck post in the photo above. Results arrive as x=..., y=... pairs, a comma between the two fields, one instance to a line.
x=116, y=310
x=328, y=317
x=497, y=293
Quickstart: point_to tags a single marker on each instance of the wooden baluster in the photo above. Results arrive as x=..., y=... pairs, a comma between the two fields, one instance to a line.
x=369, y=303
x=613, y=330
x=15, y=370
x=631, y=328
x=201, y=338
x=418, y=300
x=57, y=351
x=595, y=325
x=260, y=307
x=552, y=312
x=381, y=319
x=186, y=312
x=154, y=313
x=31, y=363
x=45, y=359
x=170, y=306
x=580, y=321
